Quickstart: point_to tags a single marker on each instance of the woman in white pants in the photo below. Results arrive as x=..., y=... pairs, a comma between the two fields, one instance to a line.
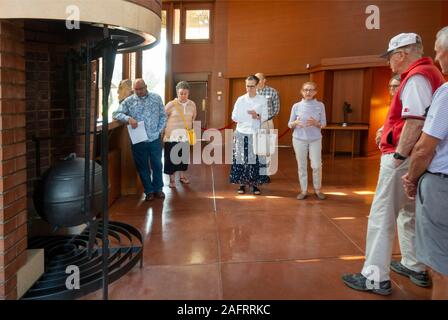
x=307, y=118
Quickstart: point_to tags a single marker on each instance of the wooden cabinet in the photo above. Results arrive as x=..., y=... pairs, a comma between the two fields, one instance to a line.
x=114, y=158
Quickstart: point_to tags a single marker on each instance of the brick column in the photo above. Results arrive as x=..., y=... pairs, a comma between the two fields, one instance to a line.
x=13, y=209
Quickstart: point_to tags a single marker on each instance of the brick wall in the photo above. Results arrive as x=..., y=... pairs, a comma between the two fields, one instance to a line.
x=80, y=107
x=47, y=108
x=13, y=175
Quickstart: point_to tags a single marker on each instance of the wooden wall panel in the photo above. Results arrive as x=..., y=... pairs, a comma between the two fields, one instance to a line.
x=283, y=36
x=348, y=86
x=237, y=88
x=114, y=158
x=444, y=15
x=197, y=57
x=129, y=175
x=218, y=106
x=379, y=105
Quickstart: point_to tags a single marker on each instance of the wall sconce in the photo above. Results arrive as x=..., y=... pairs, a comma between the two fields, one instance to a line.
x=219, y=95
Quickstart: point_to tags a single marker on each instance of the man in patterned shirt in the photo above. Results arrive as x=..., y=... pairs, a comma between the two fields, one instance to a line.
x=273, y=99
x=147, y=107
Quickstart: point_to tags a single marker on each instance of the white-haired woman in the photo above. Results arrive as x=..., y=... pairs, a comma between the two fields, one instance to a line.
x=181, y=113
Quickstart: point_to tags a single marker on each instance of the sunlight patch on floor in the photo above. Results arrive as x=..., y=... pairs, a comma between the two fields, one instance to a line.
x=307, y=260
x=364, y=193
x=336, y=193
x=246, y=197
x=351, y=257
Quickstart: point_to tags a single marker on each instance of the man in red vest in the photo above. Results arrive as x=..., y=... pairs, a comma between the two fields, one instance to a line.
x=390, y=206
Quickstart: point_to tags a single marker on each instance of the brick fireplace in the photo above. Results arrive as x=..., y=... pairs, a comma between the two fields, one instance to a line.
x=34, y=104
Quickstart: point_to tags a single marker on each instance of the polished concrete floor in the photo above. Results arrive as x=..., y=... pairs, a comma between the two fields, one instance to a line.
x=204, y=241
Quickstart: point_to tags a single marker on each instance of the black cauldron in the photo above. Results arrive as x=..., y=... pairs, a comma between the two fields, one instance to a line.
x=59, y=194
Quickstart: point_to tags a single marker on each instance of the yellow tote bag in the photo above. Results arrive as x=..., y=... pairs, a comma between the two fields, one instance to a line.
x=190, y=132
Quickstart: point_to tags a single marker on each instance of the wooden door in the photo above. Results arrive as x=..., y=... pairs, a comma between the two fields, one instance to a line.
x=198, y=94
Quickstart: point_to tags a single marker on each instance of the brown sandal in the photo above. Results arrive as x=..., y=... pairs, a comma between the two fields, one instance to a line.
x=184, y=180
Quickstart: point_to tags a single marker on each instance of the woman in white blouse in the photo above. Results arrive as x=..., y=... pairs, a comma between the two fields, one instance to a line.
x=249, y=112
x=307, y=118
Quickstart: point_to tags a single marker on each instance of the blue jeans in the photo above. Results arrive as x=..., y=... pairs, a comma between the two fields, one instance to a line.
x=145, y=153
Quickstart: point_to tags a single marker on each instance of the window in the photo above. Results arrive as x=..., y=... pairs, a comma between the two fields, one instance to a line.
x=197, y=24
x=132, y=66
x=154, y=63
x=190, y=22
x=176, y=27
x=117, y=76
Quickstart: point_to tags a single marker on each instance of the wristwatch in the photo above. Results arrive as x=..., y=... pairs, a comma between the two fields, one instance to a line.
x=399, y=156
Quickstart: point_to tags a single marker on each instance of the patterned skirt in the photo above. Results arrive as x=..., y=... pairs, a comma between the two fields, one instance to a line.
x=246, y=167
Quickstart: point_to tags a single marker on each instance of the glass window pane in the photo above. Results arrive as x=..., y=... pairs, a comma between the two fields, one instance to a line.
x=132, y=65
x=154, y=65
x=197, y=24
x=117, y=76
x=176, y=27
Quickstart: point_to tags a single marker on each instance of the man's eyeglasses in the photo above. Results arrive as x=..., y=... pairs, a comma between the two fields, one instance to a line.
x=138, y=89
x=308, y=90
x=250, y=86
x=393, y=86
x=390, y=55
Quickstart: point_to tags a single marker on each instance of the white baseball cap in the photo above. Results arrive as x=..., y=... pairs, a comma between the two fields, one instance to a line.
x=401, y=40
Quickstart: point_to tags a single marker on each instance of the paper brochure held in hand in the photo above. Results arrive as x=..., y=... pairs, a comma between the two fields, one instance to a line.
x=138, y=134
